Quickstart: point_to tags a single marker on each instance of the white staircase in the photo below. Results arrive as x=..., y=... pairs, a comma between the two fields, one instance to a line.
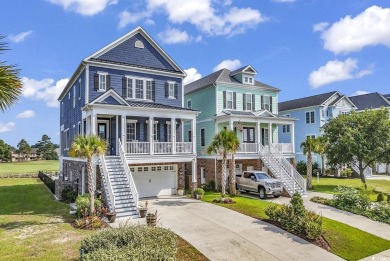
x=282, y=170
x=117, y=186
x=355, y=166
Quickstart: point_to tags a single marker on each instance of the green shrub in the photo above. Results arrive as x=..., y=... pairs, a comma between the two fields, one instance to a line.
x=380, y=197
x=210, y=186
x=301, y=167
x=312, y=225
x=320, y=200
x=82, y=204
x=297, y=204
x=68, y=195
x=199, y=191
x=380, y=212
x=131, y=243
x=350, y=199
x=346, y=173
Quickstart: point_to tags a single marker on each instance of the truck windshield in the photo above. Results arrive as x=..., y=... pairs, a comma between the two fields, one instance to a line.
x=262, y=176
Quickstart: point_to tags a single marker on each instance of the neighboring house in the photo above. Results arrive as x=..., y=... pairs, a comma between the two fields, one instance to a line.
x=130, y=93
x=235, y=100
x=312, y=113
x=19, y=157
x=373, y=101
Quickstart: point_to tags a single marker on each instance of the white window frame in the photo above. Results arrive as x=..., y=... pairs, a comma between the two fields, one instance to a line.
x=202, y=138
x=286, y=129
x=248, y=101
x=169, y=131
x=128, y=138
x=101, y=85
x=189, y=103
x=229, y=101
x=267, y=101
x=312, y=120
x=246, y=79
x=250, y=80
x=171, y=90
x=133, y=80
x=79, y=89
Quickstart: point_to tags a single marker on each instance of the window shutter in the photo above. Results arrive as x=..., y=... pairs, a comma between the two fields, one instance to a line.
x=146, y=132
x=138, y=131
x=108, y=79
x=234, y=101
x=166, y=89
x=253, y=102
x=270, y=103
x=124, y=87
x=244, y=101
x=176, y=90
x=262, y=102
x=96, y=81
x=224, y=99
x=154, y=91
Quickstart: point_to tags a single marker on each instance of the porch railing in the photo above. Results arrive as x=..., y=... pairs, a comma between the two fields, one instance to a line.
x=107, y=182
x=183, y=147
x=248, y=148
x=163, y=147
x=284, y=147
x=137, y=147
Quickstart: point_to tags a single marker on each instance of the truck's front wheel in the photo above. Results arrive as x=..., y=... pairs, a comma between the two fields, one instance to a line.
x=262, y=194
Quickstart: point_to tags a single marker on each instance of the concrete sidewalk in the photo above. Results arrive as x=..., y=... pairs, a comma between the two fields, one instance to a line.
x=373, y=227
x=223, y=234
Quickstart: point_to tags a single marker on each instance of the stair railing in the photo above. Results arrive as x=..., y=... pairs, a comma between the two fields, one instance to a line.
x=107, y=182
x=130, y=179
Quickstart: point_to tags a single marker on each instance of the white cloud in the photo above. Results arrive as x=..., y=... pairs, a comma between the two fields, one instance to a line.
x=192, y=75
x=46, y=90
x=5, y=127
x=320, y=27
x=283, y=1
x=20, y=37
x=149, y=22
x=335, y=71
x=208, y=16
x=174, y=36
x=26, y=114
x=359, y=93
x=351, y=34
x=228, y=64
x=84, y=7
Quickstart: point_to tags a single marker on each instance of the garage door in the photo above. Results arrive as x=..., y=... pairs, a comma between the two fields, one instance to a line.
x=154, y=181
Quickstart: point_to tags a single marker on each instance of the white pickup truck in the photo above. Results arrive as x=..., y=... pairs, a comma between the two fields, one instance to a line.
x=259, y=182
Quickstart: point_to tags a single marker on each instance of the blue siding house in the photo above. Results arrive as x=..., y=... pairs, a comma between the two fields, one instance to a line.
x=312, y=113
x=129, y=93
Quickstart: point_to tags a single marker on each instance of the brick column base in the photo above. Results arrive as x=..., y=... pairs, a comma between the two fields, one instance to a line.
x=194, y=185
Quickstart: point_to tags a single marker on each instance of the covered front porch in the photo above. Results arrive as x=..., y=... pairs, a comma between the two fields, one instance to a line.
x=256, y=130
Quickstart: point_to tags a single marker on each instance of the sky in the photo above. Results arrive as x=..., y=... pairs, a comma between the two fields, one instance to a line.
x=302, y=47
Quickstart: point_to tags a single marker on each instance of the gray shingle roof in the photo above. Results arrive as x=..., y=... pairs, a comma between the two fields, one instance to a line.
x=370, y=101
x=387, y=96
x=305, y=102
x=221, y=76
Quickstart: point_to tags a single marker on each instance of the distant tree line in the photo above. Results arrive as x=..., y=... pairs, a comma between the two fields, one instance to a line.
x=45, y=149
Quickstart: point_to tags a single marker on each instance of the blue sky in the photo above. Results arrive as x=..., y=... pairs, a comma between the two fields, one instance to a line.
x=303, y=47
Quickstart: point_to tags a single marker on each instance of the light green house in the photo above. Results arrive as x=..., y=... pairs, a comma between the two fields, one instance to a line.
x=235, y=100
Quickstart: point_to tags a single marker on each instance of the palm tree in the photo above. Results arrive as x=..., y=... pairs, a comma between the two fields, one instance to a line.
x=308, y=147
x=233, y=147
x=220, y=145
x=10, y=83
x=88, y=147
x=320, y=147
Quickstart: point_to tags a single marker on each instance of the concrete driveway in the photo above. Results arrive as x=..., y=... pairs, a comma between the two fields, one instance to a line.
x=223, y=234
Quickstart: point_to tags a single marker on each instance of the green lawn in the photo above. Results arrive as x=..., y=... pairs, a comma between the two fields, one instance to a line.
x=29, y=167
x=347, y=242
x=34, y=226
x=327, y=185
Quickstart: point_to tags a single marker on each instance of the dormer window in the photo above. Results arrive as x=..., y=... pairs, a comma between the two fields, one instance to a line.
x=248, y=79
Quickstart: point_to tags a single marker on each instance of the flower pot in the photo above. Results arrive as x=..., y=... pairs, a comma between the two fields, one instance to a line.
x=142, y=213
x=111, y=217
x=180, y=192
x=151, y=219
x=197, y=196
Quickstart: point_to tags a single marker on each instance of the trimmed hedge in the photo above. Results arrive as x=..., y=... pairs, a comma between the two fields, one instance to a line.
x=130, y=243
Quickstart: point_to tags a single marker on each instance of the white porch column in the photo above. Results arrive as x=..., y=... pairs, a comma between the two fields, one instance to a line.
x=292, y=132
x=116, y=134
x=194, y=169
x=151, y=135
x=93, y=124
x=123, y=132
x=88, y=127
x=231, y=124
x=258, y=138
x=269, y=132
x=193, y=133
x=173, y=135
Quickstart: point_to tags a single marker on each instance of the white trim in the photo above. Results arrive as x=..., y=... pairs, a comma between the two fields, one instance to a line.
x=105, y=81
x=232, y=108
x=244, y=69
x=87, y=84
x=246, y=101
x=324, y=103
x=310, y=117
x=72, y=80
x=147, y=38
x=171, y=84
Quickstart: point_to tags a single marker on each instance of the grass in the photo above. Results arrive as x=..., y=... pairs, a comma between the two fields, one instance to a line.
x=345, y=241
x=33, y=226
x=328, y=185
x=29, y=167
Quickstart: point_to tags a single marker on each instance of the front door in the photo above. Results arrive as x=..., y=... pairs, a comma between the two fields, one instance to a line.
x=264, y=136
x=248, y=135
x=104, y=133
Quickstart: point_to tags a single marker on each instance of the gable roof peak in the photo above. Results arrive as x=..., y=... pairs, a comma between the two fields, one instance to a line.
x=245, y=69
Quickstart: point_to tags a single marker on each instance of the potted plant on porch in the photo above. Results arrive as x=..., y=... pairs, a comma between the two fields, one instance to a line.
x=198, y=192
x=180, y=191
x=111, y=216
x=143, y=209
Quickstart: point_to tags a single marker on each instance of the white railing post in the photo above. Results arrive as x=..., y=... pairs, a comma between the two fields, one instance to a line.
x=173, y=135
x=151, y=135
x=106, y=179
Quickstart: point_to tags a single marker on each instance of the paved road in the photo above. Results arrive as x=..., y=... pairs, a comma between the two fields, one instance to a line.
x=223, y=234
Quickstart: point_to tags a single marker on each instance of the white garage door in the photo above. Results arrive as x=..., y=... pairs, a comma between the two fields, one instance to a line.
x=154, y=181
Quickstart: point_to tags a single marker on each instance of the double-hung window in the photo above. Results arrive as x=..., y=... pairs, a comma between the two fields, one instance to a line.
x=149, y=90
x=171, y=90
x=248, y=101
x=310, y=117
x=267, y=103
x=129, y=88
x=102, y=82
x=286, y=128
x=169, y=132
x=155, y=131
x=131, y=131
x=139, y=89
x=229, y=100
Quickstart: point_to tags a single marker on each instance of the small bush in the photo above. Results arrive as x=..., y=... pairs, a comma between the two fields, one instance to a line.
x=210, y=186
x=82, y=203
x=297, y=204
x=380, y=212
x=320, y=200
x=380, y=197
x=350, y=199
x=199, y=191
x=68, y=195
x=131, y=243
x=301, y=167
x=346, y=173
x=313, y=225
